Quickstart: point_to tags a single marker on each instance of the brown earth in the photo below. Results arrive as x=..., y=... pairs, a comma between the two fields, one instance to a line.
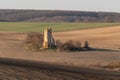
x=107, y=37
x=106, y=40
x=13, y=72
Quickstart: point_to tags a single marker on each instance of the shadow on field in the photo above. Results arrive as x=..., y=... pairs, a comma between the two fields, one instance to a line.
x=101, y=49
x=95, y=49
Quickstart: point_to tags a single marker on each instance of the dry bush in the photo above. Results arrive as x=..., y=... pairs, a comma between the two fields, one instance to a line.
x=59, y=45
x=77, y=44
x=68, y=45
x=34, y=41
x=86, y=45
x=113, y=65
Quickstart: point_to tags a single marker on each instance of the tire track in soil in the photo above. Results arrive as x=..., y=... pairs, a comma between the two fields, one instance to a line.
x=12, y=72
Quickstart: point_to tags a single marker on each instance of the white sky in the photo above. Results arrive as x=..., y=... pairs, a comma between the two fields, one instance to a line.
x=82, y=5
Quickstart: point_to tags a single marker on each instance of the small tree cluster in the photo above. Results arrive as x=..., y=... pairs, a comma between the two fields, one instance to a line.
x=34, y=41
x=72, y=46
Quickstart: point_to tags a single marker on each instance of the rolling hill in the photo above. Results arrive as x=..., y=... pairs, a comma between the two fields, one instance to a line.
x=14, y=15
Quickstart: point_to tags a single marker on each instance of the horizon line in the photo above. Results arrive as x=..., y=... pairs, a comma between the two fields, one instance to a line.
x=57, y=10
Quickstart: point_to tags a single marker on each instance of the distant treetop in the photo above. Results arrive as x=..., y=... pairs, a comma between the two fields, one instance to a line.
x=7, y=15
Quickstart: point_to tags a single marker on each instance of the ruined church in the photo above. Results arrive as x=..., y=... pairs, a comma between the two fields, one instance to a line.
x=48, y=40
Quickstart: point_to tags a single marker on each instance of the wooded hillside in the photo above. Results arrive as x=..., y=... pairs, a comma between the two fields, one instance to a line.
x=57, y=16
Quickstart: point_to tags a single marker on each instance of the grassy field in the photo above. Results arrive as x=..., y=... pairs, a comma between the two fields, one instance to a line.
x=39, y=27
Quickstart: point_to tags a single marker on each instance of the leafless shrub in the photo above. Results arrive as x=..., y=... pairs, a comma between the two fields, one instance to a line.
x=34, y=41
x=78, y=44
x=69, y=45
x=86, y=45
x=59, y=45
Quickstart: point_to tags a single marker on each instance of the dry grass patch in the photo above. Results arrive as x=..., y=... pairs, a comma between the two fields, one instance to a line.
x=113, y=65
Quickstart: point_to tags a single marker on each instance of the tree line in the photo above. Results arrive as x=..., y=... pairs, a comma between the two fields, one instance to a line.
x=14, y=15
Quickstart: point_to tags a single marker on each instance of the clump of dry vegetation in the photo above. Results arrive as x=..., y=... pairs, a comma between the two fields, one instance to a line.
x=34, y=41
x=72, y=46
x=113, y=65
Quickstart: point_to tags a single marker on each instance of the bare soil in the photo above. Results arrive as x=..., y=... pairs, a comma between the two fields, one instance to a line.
x=107, y=37
x=106, y=42
x=11, y=72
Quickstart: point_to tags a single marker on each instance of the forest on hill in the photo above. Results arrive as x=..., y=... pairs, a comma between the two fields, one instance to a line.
x=14, y=15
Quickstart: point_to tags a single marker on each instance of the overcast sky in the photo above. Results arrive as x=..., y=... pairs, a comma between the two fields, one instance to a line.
x=84, y=5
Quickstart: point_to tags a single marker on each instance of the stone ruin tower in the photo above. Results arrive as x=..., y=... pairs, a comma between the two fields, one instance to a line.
x=48, y=38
